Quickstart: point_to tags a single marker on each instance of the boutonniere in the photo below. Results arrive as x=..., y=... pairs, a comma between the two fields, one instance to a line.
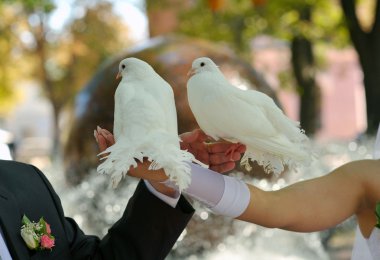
x=37, y=236
x=377, y=212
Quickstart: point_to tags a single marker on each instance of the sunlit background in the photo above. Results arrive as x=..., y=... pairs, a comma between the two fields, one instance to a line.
x=57, y=72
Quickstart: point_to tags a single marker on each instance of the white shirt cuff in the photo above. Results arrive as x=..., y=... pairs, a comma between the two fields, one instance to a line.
x=168, y=200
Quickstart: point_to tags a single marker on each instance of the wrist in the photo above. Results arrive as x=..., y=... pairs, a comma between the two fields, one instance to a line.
x=162, y=188
x=142, y=171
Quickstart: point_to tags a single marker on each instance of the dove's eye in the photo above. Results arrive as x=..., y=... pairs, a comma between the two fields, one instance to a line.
x=123, y=66
x=202, y=64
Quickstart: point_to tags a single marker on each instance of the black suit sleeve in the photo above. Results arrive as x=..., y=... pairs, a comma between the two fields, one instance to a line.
x=148, y=229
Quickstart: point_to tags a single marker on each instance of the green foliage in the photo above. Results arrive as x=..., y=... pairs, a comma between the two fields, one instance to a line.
x=30, y=6
x=7, y=63
x=60, y=61
x=239, y=21
x=232, y=26
x=93, y=39
x=377, y=213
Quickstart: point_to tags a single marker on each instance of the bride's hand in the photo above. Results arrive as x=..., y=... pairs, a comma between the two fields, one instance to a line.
x=211, y=153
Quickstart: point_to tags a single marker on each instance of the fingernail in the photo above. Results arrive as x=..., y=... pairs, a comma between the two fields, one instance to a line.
x=103, y=132
x=98, y=128
x=96, y=135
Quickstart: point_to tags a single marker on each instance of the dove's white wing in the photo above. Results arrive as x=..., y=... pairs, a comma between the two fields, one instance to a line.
x=120, y=98
x=163, y=92
x=221, y=111
x=285, y=134
x=273, y=113
x=139, y=110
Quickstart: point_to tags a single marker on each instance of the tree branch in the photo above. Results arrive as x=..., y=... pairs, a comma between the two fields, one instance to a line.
x=358, y=36
x=376, y=22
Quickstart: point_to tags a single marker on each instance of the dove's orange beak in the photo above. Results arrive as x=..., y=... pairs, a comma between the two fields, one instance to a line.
x=118, y=76
x=191, y=72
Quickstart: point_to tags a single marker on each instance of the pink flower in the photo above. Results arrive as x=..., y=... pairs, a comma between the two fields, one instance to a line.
x=47, y=242
x=48, y=230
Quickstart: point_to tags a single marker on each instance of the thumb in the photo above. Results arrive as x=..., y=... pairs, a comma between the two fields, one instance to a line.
x=102, y=143
x=193, y=136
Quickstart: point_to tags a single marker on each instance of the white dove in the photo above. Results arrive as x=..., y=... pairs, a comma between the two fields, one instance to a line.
x=145, y=126
x=245, y=117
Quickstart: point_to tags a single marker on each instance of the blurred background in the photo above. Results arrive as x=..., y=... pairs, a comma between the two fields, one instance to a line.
x=318, y=59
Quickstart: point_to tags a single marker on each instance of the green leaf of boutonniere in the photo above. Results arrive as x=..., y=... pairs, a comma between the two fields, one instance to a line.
x=377, y=212
x=25, y=220
x=42, y=225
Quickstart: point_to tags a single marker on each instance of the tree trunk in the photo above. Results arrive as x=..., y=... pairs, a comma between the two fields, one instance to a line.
x=304, y=71
x=367, y=45
x=47, y=82
x=371, y=71
x=56, y=149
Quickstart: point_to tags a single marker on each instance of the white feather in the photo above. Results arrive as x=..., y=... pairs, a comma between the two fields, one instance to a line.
x=245, y=116
x=145, y=126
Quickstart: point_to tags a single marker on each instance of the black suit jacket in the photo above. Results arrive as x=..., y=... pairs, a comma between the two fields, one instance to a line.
x=147, y=230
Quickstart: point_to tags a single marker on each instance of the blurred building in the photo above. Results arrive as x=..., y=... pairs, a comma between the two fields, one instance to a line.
x=343, y=96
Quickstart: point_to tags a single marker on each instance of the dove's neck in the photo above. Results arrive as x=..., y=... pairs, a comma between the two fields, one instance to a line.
x=136, y=76
x=219, y=79
x=203, y=84
x=141, y=74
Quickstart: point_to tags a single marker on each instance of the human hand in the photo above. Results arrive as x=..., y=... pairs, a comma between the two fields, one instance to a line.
x=211, y=153
x=105, y=139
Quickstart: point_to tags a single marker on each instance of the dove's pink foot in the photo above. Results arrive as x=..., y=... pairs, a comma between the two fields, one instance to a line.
x=233, y=148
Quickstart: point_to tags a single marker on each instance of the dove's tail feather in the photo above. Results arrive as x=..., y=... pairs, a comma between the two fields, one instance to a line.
x=291, y=129
x=274, y=153
x=160, y=148
x=282, y=123
x=288, y=127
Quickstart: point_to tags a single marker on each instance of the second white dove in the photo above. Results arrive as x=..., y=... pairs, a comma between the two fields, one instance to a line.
x=248, y=117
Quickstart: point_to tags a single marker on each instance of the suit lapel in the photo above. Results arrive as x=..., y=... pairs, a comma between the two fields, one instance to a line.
x=10, y=221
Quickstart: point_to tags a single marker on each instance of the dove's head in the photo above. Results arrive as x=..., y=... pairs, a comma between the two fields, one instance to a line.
x=203, y=64
x=133, y=67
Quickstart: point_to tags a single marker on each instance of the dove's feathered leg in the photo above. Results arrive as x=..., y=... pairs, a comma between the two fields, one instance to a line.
x=165, y=154
x=170, y=157
x=273, y=154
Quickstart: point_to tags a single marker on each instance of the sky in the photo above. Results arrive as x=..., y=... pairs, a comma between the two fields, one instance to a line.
x=132, y=12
